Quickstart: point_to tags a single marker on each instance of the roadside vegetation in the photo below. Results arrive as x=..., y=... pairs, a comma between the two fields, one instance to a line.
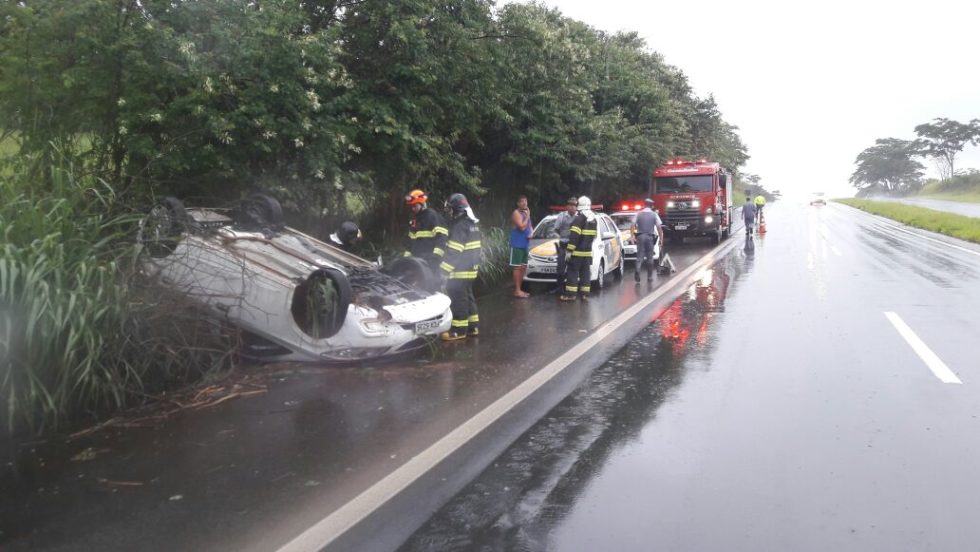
x=957, y=226
x=892, y=168
x=106, y=105
x=962, y=187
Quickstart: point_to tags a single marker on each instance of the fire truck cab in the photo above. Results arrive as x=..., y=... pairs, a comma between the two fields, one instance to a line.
x=694, y=198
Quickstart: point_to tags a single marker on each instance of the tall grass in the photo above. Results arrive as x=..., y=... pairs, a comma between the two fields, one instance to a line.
x=957, y=226
x=76, y=335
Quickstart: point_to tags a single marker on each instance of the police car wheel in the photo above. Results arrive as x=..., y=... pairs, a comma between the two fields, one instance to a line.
x=600, y=281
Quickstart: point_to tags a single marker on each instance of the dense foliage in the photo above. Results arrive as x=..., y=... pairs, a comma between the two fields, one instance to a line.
x=320, y=100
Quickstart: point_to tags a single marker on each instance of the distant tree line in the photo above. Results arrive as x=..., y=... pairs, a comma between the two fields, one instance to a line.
x=890, y=166
x=341, y=105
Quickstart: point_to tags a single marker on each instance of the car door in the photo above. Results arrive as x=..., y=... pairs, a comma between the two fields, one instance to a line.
x=608, y=233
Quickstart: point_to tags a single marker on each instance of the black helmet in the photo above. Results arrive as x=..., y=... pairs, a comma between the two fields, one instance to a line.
x=348, y=232
x=457, y=204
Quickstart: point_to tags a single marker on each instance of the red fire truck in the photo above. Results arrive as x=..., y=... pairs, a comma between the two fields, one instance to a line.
x=694, y=198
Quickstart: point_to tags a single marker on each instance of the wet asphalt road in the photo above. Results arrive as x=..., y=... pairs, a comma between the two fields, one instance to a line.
x=774, y=406
x=251, y=474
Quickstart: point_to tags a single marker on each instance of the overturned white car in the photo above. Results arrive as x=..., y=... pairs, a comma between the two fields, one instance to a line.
x=295, y=297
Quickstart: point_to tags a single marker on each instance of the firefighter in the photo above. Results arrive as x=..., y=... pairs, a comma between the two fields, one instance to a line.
x=460, y=267
x=427, y=231
x=583, y=233
x=346, y=236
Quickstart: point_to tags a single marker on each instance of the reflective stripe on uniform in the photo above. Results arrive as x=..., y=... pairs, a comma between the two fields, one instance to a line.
x=472, y=245
x=474, y=318
x=455, y=245
x=461, y=323
x=440, y=230
x=586, y=289
x=588, y=232
x=576, y=229
x=463, y=275
x=438, y=251
x=571, y=288
x=446, y=266
x=582, y=253
x=425, y=233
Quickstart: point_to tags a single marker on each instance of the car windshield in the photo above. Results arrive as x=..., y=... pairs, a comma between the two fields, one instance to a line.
x=546, y=229
x=681, y=184
x=623, y=222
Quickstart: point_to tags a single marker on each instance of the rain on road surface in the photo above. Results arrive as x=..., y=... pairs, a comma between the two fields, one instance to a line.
x=252, y=474
x=820, y=391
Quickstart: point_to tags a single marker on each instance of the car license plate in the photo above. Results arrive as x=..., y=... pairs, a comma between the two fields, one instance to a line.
x=547, y=269
x=427, y=325
x=680, y=227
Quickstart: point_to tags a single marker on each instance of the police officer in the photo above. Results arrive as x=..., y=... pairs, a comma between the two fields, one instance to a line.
x=580, y=238
x=460, y=267
x=427, y=231
x=346, y=236
x=648, y=229
x=563, y=225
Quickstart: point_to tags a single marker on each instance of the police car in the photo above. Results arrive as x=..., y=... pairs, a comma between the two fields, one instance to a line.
x=607, y=252
x=295, y=297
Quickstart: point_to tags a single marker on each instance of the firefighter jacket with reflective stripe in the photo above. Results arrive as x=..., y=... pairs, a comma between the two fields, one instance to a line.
x=462, y=259
x=582, y=235
x=427, y=234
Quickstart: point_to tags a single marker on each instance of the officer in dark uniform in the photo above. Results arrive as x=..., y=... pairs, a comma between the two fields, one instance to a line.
x=580, y=238
x=460, y=267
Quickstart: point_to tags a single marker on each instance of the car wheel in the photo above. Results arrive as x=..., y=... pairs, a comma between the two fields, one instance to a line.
x=160, y=230
x=600, y=281
x=261, y=210
x=320, y=303
x=413, y=271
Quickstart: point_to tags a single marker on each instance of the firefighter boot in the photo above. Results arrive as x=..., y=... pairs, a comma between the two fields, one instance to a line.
x=452, y=336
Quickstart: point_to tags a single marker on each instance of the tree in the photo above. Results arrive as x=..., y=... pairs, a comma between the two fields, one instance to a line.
x=943, y=139
x=887, y=167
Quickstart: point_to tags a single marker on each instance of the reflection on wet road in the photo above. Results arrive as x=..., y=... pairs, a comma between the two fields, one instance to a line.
x=774, y=406
x=517, y=501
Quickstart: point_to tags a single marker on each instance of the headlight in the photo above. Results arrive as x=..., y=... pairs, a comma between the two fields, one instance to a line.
x=670, y=204
x=708, y=219
x=696, y=203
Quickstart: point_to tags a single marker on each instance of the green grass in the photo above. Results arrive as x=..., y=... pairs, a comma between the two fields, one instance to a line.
x=964, y=187
x=957, y=226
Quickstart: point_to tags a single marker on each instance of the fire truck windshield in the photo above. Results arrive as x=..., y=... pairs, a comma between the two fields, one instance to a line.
x=682, y=184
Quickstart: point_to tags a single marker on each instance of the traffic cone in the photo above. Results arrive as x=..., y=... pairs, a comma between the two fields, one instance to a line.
x=762, y=227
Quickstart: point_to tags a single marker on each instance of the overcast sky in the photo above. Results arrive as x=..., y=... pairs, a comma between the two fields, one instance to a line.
x=811, y=85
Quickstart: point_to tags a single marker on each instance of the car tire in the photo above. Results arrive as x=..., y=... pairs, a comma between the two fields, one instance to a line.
x=413, y=271
x=618, y=273
x=320, y=303
x=261, y=210
x=600, y=281
x=161, y=229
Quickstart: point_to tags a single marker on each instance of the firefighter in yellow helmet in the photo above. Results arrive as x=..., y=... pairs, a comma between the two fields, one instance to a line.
x=460, y=267
x=760, y=202
x=427, y=232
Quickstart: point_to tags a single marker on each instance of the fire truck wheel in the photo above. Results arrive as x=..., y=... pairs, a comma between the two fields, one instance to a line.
x=718, y=236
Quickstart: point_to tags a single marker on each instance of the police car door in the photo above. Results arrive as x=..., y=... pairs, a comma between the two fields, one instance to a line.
x=607, y=231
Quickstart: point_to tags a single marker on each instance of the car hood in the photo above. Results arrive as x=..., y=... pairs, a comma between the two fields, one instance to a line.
x=543, y=247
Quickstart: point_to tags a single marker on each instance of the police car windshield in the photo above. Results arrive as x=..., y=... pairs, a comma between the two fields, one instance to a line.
x=623, y=222
x=682, y=184
x=546, y=229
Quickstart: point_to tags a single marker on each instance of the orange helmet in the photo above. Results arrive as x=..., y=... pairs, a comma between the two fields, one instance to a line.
x=416, y=197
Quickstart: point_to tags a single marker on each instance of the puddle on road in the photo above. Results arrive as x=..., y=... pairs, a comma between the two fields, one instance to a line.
x=517, y=501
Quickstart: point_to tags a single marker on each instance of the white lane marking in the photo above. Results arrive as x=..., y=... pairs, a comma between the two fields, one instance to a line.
x=328, y=529
x=883, y=220
x=931, y=359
